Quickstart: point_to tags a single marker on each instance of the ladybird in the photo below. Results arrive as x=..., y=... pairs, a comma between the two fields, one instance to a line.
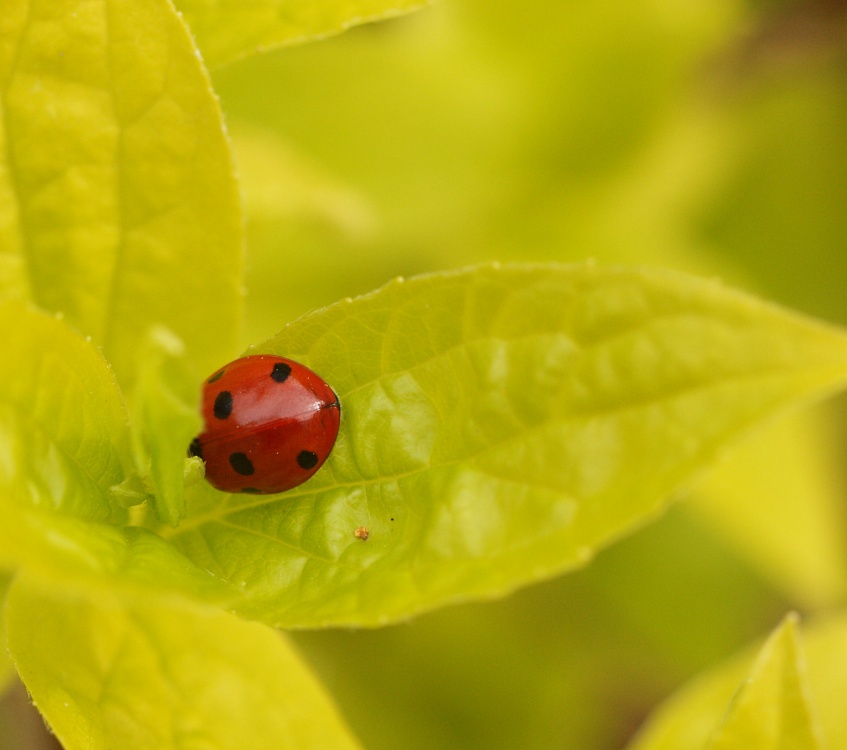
x=270, y=423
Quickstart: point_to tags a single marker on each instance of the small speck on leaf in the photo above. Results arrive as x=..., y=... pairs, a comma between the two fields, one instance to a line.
x=362, y=533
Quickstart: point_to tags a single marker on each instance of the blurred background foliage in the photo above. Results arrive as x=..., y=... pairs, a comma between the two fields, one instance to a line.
x=708, y=136
x=705, y=136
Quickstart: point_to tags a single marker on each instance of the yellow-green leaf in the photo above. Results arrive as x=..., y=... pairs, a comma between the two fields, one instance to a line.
x=789, y=696
x=113, y=671
x=118, y=204
x=499, y=425
x=130, y=558
x=63, y=424
x=167, y=418
x=772, y=710
x=227, y=29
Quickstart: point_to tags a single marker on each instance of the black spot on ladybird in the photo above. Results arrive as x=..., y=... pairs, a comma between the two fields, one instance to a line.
x=307, y=459
x=280, y=372
x=196, y=448
x=223, y=405
x=217, y=376
x=241, y=464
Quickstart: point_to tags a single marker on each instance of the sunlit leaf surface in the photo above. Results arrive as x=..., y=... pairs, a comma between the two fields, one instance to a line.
x=498, y=426
x=111, y=671
x=118, y=204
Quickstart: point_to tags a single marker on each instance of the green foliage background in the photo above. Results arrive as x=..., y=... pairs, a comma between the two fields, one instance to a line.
x=703, y=137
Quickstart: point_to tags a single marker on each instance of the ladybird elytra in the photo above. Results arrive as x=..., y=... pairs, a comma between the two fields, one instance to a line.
x=269, y=424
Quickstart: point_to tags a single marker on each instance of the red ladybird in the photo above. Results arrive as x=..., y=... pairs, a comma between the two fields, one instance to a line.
x=270, y=423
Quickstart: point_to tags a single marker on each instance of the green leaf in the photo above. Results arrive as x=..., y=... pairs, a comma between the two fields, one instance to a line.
x=772, y=709
x=770, y=701
x=166, y=418
x=119, y=205
x=500, y=425
x=64, y=448
x=161, y=672
x=63, y=424
x=226, y=31
x=131, y=558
